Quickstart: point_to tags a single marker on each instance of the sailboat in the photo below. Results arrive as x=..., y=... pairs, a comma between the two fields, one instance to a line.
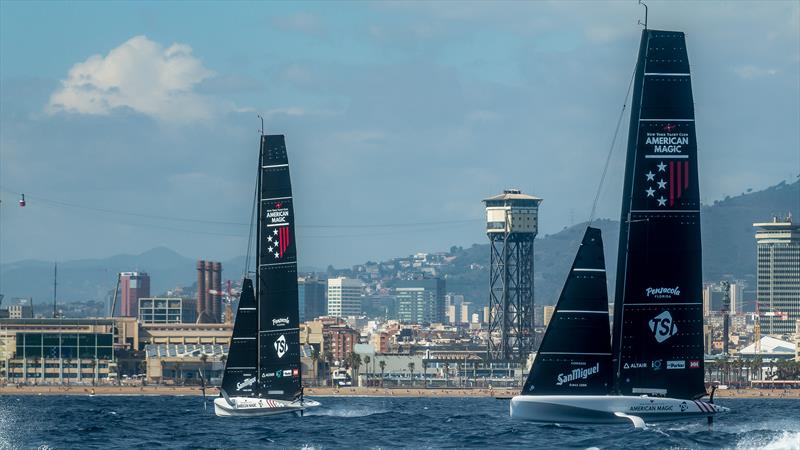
x=652, y=369
x=262, y=373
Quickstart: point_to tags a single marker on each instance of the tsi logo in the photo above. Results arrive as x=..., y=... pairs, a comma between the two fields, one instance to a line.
x=663, y=327
x=280, y=346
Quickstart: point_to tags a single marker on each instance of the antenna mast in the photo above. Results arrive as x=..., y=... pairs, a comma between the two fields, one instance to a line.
x=645, y=14
x=55, y=287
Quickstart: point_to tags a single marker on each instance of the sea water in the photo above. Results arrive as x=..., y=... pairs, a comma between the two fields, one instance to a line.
x=62, y=422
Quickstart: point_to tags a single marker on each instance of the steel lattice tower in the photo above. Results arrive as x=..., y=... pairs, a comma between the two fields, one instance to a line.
x=511, y=225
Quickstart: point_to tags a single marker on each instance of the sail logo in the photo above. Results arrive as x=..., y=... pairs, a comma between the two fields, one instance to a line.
x=667, y=143
x=635, y=365
x=246, y=383
x=663, y=327
x=577, y=374
x=283, y=321
x=663, y=292
x=278, y=241
x=676, y=364
x=281, y=346
x=278, y=215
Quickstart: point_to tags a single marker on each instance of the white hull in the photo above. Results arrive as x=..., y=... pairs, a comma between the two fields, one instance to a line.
x=245, y=406
x=607, y=408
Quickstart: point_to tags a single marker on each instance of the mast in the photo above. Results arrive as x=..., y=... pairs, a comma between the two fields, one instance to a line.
x=657, y=341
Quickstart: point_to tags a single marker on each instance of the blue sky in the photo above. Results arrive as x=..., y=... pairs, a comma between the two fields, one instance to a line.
x=402, y=113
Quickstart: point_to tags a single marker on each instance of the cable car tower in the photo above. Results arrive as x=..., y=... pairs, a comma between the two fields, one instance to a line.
x=512, y=222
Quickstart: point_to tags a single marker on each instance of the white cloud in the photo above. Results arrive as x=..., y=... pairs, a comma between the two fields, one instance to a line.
x=141, y=75
x=749, y=72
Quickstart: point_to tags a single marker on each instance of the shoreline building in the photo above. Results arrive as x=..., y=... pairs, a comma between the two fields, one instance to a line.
x=420, y=301
x=167, y=310
x=778, y=273
x=133, y=285
x=344, y=297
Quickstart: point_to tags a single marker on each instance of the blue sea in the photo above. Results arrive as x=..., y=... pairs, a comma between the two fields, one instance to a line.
x=70, y=422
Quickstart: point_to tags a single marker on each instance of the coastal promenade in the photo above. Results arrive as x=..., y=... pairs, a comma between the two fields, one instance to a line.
x=12, y=390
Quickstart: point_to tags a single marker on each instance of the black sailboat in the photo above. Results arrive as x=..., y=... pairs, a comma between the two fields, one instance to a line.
x=655, y=360
x=262, y=374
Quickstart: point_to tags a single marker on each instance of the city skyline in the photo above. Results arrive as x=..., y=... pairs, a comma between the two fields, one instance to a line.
x=395, y=114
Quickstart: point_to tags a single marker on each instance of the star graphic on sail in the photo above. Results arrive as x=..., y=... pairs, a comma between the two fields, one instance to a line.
x=278, y=242
x=662, y=201
x=650, y=191
x=661, y=166
x=650, y=176
x=662, y=184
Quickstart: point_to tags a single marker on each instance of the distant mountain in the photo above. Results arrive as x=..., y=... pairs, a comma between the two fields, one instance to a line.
x=95, y=279
x=728, y=252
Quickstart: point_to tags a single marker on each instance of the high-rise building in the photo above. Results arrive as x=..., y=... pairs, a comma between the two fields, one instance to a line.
x=344, y=297
x=133, y=286
x=311, y=296
x=420, y=301
x=778, y=289
x=548, y=313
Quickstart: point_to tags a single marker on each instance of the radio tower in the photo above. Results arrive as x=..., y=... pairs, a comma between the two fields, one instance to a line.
x=512, y=221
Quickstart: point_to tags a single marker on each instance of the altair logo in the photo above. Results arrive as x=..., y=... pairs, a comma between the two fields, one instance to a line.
x=663, y=292
x=281, y=346
x=663, y=327
x=577, y=374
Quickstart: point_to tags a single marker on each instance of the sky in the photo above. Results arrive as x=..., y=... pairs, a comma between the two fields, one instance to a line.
x=132, y=125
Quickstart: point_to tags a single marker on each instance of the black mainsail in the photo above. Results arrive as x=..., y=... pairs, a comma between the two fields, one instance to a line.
x=658, y=318
x=278, y=309
x=574, y=357
x=264, y=356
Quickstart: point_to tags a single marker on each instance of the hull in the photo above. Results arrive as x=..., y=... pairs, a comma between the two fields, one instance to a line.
x=245, y=406
x=607, y=408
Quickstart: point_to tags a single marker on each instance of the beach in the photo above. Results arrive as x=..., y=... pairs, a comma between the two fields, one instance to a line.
x=159, y=390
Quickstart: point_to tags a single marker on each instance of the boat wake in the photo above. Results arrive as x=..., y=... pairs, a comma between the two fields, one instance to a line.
x=784, y=440
x=345, y=412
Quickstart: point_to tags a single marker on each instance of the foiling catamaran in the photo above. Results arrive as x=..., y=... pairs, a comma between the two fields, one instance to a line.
x=262, y=373
x=652, y=367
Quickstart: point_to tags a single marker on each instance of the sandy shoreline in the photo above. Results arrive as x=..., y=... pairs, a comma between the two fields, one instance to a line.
x=334, y=392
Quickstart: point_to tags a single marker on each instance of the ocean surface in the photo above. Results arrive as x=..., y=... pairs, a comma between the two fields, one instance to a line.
x=61, y=422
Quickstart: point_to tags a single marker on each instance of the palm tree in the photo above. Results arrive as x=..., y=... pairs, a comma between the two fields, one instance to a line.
x=315, y=362
x=382, y=365
x=355, y=362
x=411, y=370
x=367, y=360
x=328, y=357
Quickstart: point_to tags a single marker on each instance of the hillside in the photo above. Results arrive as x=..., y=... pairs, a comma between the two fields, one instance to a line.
x=728, y=251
